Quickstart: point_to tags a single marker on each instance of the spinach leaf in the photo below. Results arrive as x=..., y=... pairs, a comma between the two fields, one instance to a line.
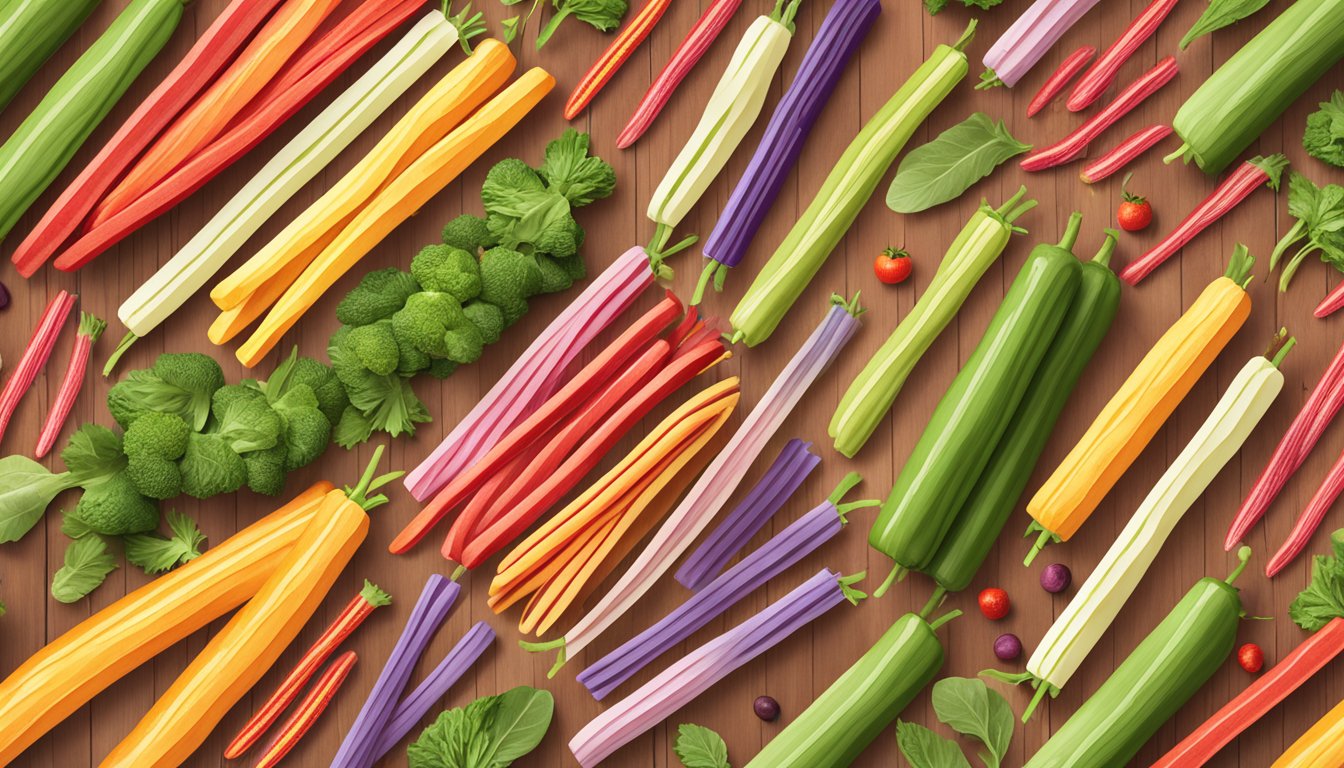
x=490, y=732
x=972, y=709
x=1219, y=14
x=87, y=563
x=700, y=747
x=925, y=749
x=26, y=488
x=947, y=166
x=520, y=722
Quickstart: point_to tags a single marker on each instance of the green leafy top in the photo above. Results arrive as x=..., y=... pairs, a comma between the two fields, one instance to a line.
x=87, y=563
x=569, y=169
x=970, y=708
x=1219, y=14
x=153, y=553
x=925, y=749
x=490, y=732
x=602, y=14
x=1323, y=599
x=1320, y=223
x=700, y=747
x=1324, y=137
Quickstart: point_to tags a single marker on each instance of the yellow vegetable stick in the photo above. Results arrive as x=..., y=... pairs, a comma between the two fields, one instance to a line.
x=439, y=111
x=66, y=674
x=244, y=650
x=233, y=320
x=426, y=177
x=1140, y=407
x=1322, y=746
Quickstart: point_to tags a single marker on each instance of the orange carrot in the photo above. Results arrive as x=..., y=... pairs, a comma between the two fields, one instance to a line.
x=309, y=710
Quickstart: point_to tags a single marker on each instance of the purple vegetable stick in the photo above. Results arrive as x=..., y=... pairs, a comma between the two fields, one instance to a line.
x=841, y=33
x=779, y=482
x=436, y=600
x=434, y=687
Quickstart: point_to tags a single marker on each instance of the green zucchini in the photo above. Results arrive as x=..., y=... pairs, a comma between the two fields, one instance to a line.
x=30, y=31
x=975, y=411
x=46, y=140
x=996, y=493
x=862, y=702
x=1155, y=681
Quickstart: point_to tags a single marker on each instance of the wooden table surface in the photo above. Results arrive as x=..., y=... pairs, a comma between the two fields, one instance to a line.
x=802, y=666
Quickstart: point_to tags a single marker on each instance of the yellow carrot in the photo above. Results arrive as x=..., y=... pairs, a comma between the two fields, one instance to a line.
x=439, y=111
x=63, y=676
x=233, y=320
x=398, y=201
x=1141, y=406
x=1322, y=746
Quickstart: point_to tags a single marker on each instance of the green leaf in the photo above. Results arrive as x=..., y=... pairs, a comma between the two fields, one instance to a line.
x=520, y=723
x=153, y=553
x=970, y=708
x=1323, y=599
x=935, y=7
x=490, y=732
x=925, y=749
x=93, y=454
x=946, y=167
x=87, y=563
x=1219, y=14
x=983, y=5
x=700, y=747
x=73, y=527
x=26, y=488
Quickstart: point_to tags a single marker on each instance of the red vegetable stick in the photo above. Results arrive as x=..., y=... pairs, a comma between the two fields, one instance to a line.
x=1075, y=143
x=561, y=446
x=576, y=391
x=697, y=41
x=211, y=53
x=1309, y=520
x=1124, y=153
x=1332, y=302
x=354, y=614
x=1257, y=699
x=1249, y=176
x=309, y=710
x=627, y=40
x=1066, y=71
x=1316, y=414
x=324, y=62
x=34, y=355
x=1102, y=73
x=518, y=518
x=90, y=328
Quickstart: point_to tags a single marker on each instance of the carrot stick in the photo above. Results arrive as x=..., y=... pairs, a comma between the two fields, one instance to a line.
x=309, y=710
x=627, y=40
x=34, y=355
x=349, y=619
x=90, y=328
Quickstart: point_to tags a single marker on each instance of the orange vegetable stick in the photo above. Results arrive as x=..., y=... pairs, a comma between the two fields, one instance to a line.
x=210, y=114
x=233, y=320
x=426, y=177
x=308, y=710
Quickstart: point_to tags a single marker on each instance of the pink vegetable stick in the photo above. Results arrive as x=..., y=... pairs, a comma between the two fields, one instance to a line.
x=1309, y=520
x=34, y=355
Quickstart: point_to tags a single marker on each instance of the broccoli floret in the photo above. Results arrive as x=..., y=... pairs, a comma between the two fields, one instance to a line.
x=191, y=371
x=487, y=318
x=442, y=368
x=508, y=278
x=562, y=239
x=377, y=296
x=410, y=360
x=266, y=470
x=447, y=269
x=573, y=266
x=505, y=182
x=144, y=391
x=1324, y=137
x=156, y=435
x=425, y=319
x=155, y=477
x=245, y=419
x=210, y=467
x=115, y=508
x=569, y=170
x=307, y=432
x=468, y=233
x=554, y=278
x=464, y=343
x=374, y=346
x=386, y=403
x=331, y=397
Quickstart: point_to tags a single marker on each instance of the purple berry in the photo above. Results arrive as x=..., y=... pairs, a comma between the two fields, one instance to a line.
x=1056, y=578
x=4, y=296
x=1007, y=647
x=766, y=708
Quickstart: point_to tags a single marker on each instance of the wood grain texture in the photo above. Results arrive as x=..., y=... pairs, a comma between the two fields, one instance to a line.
x=801, y=667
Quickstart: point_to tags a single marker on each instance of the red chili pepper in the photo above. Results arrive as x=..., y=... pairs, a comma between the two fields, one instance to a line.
x=1124, y=153
x=1061, y=77
x=354, y=614
x=211, y=53
x=34, y=355
x=1097, y=79
x=697, y=41
x=1075, y=143
x=612, y=59
x=310, y=72
x=90, y=328
x=1257, y=699
x=1249, y=176
x=309, y=710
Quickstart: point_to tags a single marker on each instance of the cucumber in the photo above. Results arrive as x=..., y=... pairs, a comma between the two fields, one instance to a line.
x=30, y=31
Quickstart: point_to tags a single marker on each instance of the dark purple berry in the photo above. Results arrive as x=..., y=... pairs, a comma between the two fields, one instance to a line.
x=1056, y=578
x=4, y=296
x=766, y=708
x=1007, y=647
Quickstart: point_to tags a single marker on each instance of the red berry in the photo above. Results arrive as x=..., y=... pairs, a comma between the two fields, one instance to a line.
x=1135, y=212
x=994, y=603
x=892, y=266
x=1250, y=657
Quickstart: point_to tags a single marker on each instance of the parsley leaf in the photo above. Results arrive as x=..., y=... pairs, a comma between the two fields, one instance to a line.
x=93, y=454
x=87, y=563
x=155, y=554
x=1319, y=227
x=1323, y=599
x=700, y=747
x=568, y=169
x=925, y=749
x=970, y=708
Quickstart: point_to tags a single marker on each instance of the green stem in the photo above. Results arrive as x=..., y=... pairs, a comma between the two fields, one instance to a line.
x=966, y=36
x=1042, y=541
x=843, y=510
x=552, y=25
x=785, y=14
x=458, y=571
x=941, y=620
x=939, y=595
x=1284, y=347
x=1071, y=231
x=368, y=483
x=988, y=80
x=736, y=337
x=1103, y=256
x=1008, y=204
x=710, y=272
x=1042, y=688
x=1243, y=557
x=847, y=587
x=1294, y=234
x=125, y=344
x=897, y=573
x=1239, y=266
x=1290, y=269
x=1011, y=678
x=846, y=485
x=1179, y=154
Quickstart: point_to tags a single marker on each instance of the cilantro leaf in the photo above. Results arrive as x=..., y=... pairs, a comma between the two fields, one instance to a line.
x=568, y=169
x=153, y=553
x=1323, y=599
x=935, y=7
x=700, y=747
x=925, y=749
x=87, y=563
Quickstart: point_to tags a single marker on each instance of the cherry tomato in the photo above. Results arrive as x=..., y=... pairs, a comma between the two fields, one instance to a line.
x=1135, y=212
x=1250, y=657
x=994, y=603
x=892, y=266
